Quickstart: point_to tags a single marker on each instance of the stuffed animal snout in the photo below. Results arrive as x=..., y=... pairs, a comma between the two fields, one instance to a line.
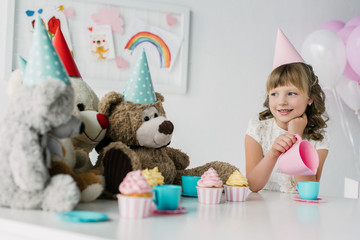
x=155, y=133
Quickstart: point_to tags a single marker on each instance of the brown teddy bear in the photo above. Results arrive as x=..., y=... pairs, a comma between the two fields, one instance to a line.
x=139, y=133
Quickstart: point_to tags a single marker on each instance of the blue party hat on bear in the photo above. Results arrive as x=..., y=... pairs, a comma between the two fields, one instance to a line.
x=139, y=88
x=43, y=62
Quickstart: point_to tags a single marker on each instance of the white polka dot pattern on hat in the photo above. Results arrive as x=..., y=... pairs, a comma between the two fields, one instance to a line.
x=44, y=62
x=139, y=87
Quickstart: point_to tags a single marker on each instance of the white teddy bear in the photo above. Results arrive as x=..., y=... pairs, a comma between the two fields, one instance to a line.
x=35, y=111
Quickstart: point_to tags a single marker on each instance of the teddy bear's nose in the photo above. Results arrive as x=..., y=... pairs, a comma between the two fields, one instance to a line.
x=166, y=128
x=103, y=121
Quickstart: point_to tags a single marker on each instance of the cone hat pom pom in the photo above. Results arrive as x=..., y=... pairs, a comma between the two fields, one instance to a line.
x=139, y=88
x=64, y=53
x=285, y=52
x=44, y=62
x=22, y=63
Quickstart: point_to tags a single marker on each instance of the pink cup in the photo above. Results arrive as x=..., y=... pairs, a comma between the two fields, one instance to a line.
x=300, y=159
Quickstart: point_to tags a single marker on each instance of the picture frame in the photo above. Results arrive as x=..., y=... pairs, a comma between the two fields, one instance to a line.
x=104, y=75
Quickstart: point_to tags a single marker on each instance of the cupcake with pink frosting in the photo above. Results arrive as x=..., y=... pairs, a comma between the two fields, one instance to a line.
x=135, y=198
x=210, y=187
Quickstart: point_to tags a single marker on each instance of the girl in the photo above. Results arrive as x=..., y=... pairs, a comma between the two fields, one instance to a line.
x=294, y=104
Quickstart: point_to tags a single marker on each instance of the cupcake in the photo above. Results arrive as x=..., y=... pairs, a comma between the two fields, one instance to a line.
x=135, y=196
x=153, y=176
x=209, y=187
x=236, y=187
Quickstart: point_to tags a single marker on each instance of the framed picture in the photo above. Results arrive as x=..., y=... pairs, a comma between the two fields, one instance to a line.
x=106, y=37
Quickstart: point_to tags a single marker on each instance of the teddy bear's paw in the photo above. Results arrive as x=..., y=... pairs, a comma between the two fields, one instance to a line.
x=116, y=165
x=83, y=162
x=91, y=192
x=62, y=194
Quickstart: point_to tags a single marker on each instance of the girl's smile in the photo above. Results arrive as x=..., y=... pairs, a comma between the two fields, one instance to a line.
x=284, y=112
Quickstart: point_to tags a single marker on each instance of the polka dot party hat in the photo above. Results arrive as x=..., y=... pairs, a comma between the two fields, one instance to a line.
x=139, y=88
x=22, y=63
x=43, y=62
x=64, y=53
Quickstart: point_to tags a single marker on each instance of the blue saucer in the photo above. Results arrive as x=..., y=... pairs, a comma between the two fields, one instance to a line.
x=82, y=216
x=189, y=195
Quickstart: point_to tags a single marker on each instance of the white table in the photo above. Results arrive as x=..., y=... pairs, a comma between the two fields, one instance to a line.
x=265, y=215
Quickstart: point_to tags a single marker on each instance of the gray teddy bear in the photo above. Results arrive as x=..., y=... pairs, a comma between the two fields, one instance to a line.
x=35, y=113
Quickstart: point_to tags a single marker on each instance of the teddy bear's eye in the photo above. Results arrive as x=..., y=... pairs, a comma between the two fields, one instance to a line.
x=156, y=115
x=81, y=107
x=146, y=118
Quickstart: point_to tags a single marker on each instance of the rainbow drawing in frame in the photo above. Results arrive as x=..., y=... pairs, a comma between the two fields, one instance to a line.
x=158, y=42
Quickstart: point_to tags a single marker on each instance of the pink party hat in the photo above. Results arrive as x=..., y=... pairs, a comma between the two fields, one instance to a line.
x=285, y=52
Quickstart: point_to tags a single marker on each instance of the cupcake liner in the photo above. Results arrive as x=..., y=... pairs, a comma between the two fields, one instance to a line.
x=209, y=195
x=236, y=194
x=134, y=207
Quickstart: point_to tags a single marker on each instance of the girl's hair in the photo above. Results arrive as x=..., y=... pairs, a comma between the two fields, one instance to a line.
x=302, y=76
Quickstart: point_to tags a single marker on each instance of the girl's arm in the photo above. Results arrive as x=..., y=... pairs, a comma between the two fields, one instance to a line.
x=259, y=167
x=322, y=156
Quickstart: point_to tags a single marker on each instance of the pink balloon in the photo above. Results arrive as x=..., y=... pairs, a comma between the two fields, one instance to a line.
x=354, y=21
x=348, y=71
x=353, y=50
x=344, y=33
x=332, y=25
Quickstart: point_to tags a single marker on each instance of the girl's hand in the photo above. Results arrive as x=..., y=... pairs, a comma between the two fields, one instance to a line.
x=282, y=143
x=297, y=125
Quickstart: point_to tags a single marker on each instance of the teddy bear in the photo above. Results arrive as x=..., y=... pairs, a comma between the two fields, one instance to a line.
x=139, y=135
x=99, y=46
x=78, y=148
x=39, y=112
x=25, y=182
x=75, y=160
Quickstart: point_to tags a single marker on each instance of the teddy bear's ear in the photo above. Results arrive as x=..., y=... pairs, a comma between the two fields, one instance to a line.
x=159, y=97
x=108, y=102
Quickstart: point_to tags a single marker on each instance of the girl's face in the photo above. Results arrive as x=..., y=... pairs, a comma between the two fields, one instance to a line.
x=287, y=103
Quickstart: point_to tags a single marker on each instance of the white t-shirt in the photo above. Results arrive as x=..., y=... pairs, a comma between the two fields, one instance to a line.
x=265, y=132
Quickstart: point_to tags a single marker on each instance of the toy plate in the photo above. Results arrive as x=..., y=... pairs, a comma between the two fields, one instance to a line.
x=318, y=200
x=179, y=210
x=189, y=195
x=82, y=216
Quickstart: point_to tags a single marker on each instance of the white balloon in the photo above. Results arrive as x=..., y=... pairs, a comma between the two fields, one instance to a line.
x=349, y=92
x=325, y=51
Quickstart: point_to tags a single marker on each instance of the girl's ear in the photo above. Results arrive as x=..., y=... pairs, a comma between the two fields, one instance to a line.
x=310, y=101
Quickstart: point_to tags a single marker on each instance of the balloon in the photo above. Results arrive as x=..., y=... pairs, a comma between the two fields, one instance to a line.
x=353, y=22
x=353, y=49
x=349, y=92
x=325, y=51
x=332, y=25
x=345, y=33
x=348, y=71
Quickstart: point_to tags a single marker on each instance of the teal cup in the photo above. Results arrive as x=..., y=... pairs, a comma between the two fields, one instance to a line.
x=308, y=190
x=189, y=184
x=167, y=197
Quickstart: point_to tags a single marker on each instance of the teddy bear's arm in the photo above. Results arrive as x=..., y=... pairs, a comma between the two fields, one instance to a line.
x=27, y=162
x=180, y=159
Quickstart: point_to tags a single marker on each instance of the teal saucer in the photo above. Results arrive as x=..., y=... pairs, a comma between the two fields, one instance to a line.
x=189, y=195
x=82, y=216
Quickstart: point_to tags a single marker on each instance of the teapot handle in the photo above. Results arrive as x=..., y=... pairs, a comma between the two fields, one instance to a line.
x=298, y=137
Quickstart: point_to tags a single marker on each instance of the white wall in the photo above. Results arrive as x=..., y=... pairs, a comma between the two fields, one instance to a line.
x=230, y=56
